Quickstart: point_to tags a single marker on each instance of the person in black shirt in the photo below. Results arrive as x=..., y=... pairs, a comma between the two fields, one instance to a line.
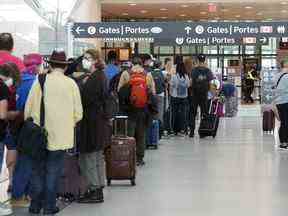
x=201, y=77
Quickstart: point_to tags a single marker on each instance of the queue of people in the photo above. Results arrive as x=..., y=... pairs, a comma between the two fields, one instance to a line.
x=77, y=99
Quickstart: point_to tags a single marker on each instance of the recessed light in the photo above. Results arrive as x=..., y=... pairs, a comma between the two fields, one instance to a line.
x=248, y=7
x=224, y=10
x=269, y=19
x=284, y=3
x=283, y=11
x=132, y=20
x=143, y=11
x=184, y=6
x=217, y=18
x=132, y=4
x=189, y=21
x=163, y=9
x=238, y=16
x=259, y=14
x=125, y=14
x=163, y=17
x=203, y=12
x=183, y=15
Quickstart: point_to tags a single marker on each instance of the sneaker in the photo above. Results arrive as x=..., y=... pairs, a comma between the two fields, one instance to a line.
x=94, y=197
x=5, y=210
x=51, y=212
x=283, y=146
x=23, y=202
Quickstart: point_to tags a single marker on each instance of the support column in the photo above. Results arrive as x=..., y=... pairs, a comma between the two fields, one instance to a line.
x=87, y=11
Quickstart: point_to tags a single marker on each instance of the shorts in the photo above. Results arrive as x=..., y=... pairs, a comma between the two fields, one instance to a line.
x=10, y=142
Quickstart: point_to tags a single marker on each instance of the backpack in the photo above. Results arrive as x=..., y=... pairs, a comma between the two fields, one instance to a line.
x=200, y=83
x=159, y=81
x=139, y=90
x=114, y=82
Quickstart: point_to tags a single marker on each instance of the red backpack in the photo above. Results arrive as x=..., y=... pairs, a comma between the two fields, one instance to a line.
x=138, y=95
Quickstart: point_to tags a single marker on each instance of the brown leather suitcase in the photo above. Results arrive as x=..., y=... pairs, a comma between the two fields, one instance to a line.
x=121, y=156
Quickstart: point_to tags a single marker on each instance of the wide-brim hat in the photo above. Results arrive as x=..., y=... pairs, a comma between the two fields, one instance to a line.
x=59, y=57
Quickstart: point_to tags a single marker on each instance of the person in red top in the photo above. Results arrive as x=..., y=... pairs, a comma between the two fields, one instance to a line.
x=6, y=48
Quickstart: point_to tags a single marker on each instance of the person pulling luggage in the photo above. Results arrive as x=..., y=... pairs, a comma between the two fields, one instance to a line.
x=135, y=84
x=201, y=77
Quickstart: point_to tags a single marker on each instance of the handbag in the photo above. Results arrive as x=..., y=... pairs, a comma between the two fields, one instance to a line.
x=32, y=139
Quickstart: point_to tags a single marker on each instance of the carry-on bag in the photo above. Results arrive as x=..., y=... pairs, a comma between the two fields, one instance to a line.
x=120, y=156
x=268, y=121
x=209, y=123
x=72, y=184
x=152, y=135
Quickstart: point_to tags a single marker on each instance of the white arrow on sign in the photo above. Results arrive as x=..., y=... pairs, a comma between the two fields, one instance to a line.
x=263, y=40
x=79, y=30
x=188, y=29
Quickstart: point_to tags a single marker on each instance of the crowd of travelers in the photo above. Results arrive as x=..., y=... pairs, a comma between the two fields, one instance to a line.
x=71, y=105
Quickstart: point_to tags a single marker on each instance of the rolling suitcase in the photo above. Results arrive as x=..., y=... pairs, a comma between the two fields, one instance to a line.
x=120, y=156
x=152, y=135
x=268, y=121
x=72, y=184
x=209, y=123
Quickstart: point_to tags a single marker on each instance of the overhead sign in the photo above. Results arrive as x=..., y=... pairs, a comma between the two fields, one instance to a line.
x=190, y=33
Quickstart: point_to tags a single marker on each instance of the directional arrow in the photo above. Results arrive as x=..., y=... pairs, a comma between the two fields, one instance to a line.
x=263, y=40
x=188, y=29
x=79, y=30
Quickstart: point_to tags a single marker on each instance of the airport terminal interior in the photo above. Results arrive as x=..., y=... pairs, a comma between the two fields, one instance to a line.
x=241, y=171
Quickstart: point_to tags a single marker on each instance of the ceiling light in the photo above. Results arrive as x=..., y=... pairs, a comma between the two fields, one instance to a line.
x=184, y=6
x=203, y=12
x=132, y=20
x=217, y=18
x=125, y=14
x=163, y=9
x=248, y=7
x=224, y=10
x=163, y=17
x=132, y=4
x=284, y=3
x=189, y=21
x=269, y=19
x=238, y=16
x=143, y=11
x=283, y=11
x=182, y=15
x=259, y=14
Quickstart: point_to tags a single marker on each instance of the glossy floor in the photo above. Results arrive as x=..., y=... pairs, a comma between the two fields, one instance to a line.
x=240, y=173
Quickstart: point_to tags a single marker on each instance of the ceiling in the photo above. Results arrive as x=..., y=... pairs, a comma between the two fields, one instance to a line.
x=195, y=10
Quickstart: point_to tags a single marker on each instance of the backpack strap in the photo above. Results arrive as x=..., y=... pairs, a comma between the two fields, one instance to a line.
x=41, y=80
x=280, y=78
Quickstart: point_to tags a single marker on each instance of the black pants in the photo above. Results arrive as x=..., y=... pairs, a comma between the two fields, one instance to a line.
x=179, y=119
x=283, y=114
x=195, y=102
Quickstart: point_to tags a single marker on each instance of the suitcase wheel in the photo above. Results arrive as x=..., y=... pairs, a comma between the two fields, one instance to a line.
x=133, y=182
x=108, y=182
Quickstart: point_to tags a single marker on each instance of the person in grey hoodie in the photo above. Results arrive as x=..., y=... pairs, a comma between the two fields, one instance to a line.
x=281, y=101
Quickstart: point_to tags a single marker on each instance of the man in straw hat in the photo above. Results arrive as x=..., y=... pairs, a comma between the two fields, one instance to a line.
x=63, y=109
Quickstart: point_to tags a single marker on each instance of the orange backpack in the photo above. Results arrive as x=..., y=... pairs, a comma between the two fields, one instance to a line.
x=138, y=85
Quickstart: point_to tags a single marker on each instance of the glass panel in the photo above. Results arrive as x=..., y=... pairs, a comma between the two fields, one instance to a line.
x=250, y=50
x=210, y=50
x=269, y=62
x=271, y=48
x=144, y=47
x=166, y=50
x=231, y=50
x=212, y=64
x=188, y=49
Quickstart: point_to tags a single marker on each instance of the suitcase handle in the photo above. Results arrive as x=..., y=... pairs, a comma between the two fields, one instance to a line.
x=116, y=126
x=211, y=106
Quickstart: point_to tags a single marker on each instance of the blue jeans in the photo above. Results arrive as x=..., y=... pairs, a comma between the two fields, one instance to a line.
x=22, y=176
x=44, y=181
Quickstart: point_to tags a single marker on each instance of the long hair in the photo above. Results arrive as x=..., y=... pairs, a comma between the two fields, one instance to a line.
x=181, y=70
x=188, y=66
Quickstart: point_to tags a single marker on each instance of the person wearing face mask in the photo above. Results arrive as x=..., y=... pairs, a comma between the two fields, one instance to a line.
x=94, y=127
x=10, y=74
x=23, y=170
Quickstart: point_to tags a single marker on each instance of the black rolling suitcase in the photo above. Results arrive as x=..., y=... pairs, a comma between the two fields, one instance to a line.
x=209, y=123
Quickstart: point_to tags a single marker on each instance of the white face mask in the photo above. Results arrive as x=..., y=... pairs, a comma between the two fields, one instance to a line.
x=86, y=64
x=9, y=82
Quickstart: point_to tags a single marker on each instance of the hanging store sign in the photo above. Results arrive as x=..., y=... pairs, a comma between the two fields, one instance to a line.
x=190, y=33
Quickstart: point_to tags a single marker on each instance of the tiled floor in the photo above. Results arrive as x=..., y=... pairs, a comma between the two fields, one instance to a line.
x=240, y=173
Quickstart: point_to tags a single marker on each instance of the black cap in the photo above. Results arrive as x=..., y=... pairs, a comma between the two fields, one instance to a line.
x=201, y=58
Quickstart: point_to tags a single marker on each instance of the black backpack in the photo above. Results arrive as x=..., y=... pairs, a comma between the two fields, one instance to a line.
x=200, y=80
x=159, y=80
